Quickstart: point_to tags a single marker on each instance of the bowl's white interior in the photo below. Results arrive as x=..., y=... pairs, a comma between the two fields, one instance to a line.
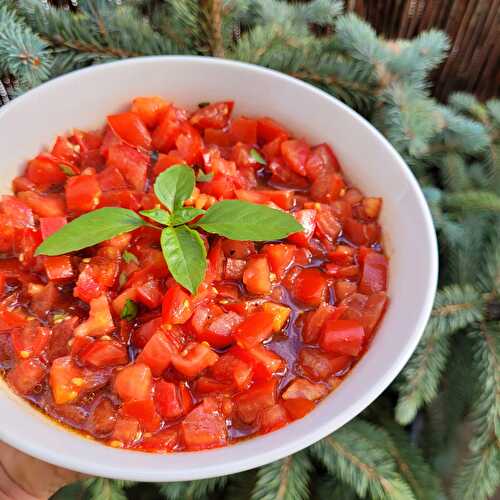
x=83, y=99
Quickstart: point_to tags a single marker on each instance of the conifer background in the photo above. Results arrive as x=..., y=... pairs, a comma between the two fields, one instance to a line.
x=434, y=434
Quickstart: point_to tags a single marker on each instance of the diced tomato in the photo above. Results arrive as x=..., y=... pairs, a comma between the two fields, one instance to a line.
x=189, y=144
x=264, y=362
x=17, y=213
x=219, y=332
x=244, y=130
x=314, y=321
x=321, y=160
x=49, y=225
x=166, y=132
x=45, y=170
x=124, y=199
x=132, y=164
x=150, y=294
x=319, y=365
x=65, y=150
x=44, y=205
x=145, y=412
x=342, y=336
x=162, y=442
x=326, y=224
x=256, y=275
x=130, y=128
x=206, y=386
x=62, y=333
x=177, y=308
x=256, y=328
x=111, y=179
x=150, y=109
x=371, y=207
x=26, y=375
x=141, y=336
x=102, y=418
x=109, y=139
x=302, y=388
x=259, y=397
x=194, y=359
x=230, y=367
x=22, y=183
x=127, y=431
x=58, y=268
x=280, y=257
x=66, y=380
x=283, y=176
x=367, y=310
x=134, y=383
x=44, y=299
x=327, y=187
x=310, y=287
x=169, y=400
x=204, y=427
x=280, y=313
x=307, y=218
x=374, y=274
x=234, y=269
x=298, y=408
x=104, y=353
x=30, y=341
x=157, y=353
x=221, y=186
x=295, y=152
x=269, y=129
x=82, y=193
x=360, y=233
x=88, y=141
x=215, y=115
x=272, y=149
x=344, y=288
x=272, y=418
x=238, y=249
x=99, y=322
x=218, y=137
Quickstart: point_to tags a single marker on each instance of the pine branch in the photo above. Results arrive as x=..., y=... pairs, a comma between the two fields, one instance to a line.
x=106, y=489
x=329, y=487
x=354, y=455
x=193, y=490
x=286, y=479
x=479, y=476
x=455, y=308
x=472, y=201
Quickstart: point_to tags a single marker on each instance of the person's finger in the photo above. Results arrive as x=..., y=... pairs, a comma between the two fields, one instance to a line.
x=33, y=478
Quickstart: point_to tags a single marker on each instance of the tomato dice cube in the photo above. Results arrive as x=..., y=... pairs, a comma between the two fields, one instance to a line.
x=257, y=327
x=82, y=193
x=342, y=336
x=104, y=353
x=26, y=375
x=157, y=353
x=256, y=275
x=99, y=322
x=130, y=128
x=310, y=287
x=374, y=274
x=257, y=398
x=58, y=267
x=177, y=307
x=134, y=383
x=49, y=225
x=307, y=218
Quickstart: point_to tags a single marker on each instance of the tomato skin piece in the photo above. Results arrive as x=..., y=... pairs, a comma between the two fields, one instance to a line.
x=216, y=115
x=82, y=193
x=204, y=427
x=301, y=388
x=295, y=152
x=244, y=130
x=310, y=287
x=134, y=382
x=269, y=129
x=256, y=275
x=49, y=225
x=257, y=398
x=58, y=267
x=168, y=400
x=157, y=353
x=99, y=322
x=145, y=412
x=342, y=336
x=162, y=442
x=45, y=170
x=132, y=164
x=194, y=359
x=104, y=353
x=130, y=128
x=150, y=109
x=307, y=218
x=17, y=213
x=298, y=408
x=177, y=307
x=44, y=205
x=26, y=375
x=256, y=328
x=374, y=274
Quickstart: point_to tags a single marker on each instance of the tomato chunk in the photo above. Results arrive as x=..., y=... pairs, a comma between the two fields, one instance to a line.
x=342, y=336
x=194, y=359
x=130, y=128
x=257, y=327
x=170, y=400
x=296, y=152
x=26, y=375
x=104, y=353
x=310, y=287
x=256, y=275
x=145, y=412
x=280, y=257
x=82, y=193
x=374, y=274
x=58, y=267
x=150, y=109
x=99, y=322
x=66, y=380
x=256, y=399
x=134, y=383
x=49, y=225
x=157, y=353
x=307, y=218
x=31, y=340
x=215, y=115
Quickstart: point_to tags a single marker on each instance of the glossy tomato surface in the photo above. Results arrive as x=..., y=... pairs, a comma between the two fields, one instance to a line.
x=273, y=328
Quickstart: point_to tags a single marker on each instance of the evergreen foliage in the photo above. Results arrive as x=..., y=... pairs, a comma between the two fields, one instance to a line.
x=441, y=438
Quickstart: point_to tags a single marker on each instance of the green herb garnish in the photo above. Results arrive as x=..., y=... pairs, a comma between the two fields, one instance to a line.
x=129, y=257
x=129, y=311
x=182, y=246
x=66, y=170
x=203, y=177
x=257, y=157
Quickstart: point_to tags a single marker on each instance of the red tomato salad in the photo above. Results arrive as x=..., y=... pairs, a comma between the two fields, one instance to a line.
x=184, y=280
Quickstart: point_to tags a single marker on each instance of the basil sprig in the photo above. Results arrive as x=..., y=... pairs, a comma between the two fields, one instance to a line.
x=182, y=246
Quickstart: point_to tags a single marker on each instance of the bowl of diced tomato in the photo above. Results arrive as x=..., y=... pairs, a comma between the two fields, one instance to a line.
x=205, y=266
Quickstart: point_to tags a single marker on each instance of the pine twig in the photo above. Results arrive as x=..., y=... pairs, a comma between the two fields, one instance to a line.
x=217, y=42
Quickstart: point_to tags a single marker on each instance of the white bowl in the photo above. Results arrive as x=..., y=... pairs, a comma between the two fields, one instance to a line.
x=83, y=99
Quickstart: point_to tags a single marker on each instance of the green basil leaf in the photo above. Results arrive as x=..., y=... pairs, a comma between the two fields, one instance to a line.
x=129, y=311
x=158, y=215
x=203, y=177
x=186, y=256
x=185, y=215
x=90, y=229
x=129, y=257
x=175, y=185
x=240, y=220
x=66, y=170
x=257, y=157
